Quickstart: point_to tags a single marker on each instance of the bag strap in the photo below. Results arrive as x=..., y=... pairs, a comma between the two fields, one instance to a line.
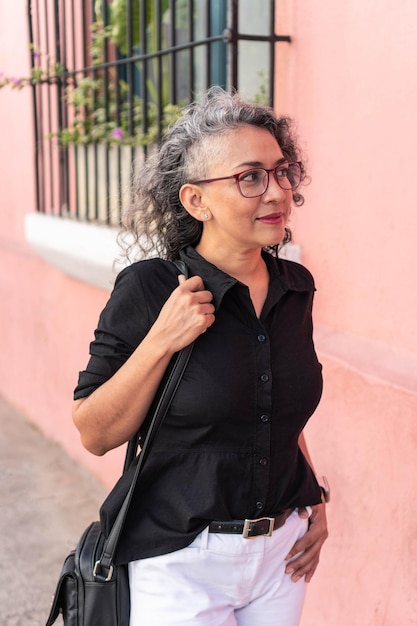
x=132, y=446
x=103, y=568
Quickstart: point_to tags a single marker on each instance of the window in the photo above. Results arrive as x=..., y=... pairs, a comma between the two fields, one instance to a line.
x=112, y=76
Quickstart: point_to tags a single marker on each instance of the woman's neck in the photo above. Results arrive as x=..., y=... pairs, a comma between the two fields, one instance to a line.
x=245, y=266
x=249, y=268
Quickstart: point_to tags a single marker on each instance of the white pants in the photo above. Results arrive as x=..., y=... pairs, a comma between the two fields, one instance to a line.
x=220, y=580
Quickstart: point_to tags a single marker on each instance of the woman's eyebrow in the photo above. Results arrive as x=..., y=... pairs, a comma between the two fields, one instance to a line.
x=259, y=164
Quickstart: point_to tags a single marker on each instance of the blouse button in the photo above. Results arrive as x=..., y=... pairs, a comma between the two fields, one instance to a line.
x=261, y=338
x=259, y=505
x=263, y=461
x=265, y=418
x=264, y=378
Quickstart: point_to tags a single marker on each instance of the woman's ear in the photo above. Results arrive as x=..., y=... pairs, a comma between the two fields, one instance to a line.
x=192, y=199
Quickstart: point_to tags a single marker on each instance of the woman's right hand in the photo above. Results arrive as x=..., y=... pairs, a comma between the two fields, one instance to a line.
x=114, y=412
x=186, y=314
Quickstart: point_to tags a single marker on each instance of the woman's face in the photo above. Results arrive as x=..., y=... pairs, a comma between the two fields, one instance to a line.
x=234, y=221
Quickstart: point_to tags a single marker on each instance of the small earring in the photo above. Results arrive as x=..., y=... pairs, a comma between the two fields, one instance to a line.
x=206, y=216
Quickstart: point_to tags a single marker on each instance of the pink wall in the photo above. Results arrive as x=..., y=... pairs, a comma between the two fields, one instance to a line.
x=46, y=318
x=364, y=437
x=350, y=79
x=354, y=92
x=352, y=86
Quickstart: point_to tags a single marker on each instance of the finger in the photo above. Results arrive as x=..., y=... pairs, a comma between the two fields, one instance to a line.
x=211, y=318
x=305, y=512
x=300, y=557
x=308, y=575
x=315, y=535
x=194, y=283
x=304, y=560
x=302, y=567
x=303, y=544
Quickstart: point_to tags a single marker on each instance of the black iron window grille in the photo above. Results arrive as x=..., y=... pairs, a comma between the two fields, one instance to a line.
x=109, y=77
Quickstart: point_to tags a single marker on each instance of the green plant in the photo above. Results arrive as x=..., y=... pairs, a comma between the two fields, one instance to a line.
x=38, y=73
x=104, y=109
x=118, y=10
x=129, y=40
x=261, y=97
x=104, y=114
x=100, y=106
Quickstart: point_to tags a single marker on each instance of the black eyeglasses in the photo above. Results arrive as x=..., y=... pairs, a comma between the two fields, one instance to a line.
x=253, y=183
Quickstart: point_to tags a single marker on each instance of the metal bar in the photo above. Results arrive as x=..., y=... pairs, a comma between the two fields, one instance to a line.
x=59, y=82
x=190, y=49
x=96, y=186
x=208, y=47
x=172, y=55
x=74, y=169
x=35, y=109
x=119, y=164
x=129, y=62
x=73, y=31
x=159, y=65
x=130, y=76
x=38, y=115
x=267, y=38
x=272, y=55
x=95, y=148
x=106, y=106
x=143, y=57
x=49, y=120
x=233, y=39
x=85, y=35
x=64, y=200
x=144, y=72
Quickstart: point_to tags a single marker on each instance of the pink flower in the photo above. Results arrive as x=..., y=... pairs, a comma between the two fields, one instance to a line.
x=117, y=133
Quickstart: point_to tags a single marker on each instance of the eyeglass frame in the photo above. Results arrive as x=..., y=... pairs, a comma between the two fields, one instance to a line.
x=267, y=172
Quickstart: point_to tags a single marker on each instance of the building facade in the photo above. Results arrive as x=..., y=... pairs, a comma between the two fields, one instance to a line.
x=348, y=76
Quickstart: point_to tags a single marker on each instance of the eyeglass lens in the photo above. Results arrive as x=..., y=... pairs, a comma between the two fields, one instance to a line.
x=255, y=182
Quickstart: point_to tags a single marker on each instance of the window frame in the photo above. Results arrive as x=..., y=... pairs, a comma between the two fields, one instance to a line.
x=84, y=184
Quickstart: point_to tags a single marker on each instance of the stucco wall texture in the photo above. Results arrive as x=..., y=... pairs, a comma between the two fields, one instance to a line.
x=349, y=78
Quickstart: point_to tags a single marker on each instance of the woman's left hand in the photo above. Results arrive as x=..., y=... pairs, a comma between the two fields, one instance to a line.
x=309, y=545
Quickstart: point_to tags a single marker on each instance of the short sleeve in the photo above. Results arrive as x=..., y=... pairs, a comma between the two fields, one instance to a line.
x=122, y=325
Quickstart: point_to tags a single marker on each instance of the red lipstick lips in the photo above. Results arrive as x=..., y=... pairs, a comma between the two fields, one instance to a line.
x=272, y=218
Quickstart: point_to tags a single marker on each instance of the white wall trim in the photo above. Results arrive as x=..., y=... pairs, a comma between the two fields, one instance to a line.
x=84, y=251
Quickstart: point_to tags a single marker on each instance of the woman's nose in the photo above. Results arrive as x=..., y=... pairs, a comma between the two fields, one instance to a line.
x=274, y=190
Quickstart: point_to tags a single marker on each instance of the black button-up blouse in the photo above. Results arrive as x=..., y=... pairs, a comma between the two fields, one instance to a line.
x=228, y=448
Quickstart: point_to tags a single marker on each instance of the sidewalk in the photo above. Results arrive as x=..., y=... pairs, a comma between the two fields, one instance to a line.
x=46, y=501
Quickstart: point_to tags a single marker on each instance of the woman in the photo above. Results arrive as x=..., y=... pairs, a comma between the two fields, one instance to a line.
x=218, y=194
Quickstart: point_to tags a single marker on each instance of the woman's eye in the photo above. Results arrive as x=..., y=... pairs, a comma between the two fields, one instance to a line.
x=253, y=176
x=282, y=172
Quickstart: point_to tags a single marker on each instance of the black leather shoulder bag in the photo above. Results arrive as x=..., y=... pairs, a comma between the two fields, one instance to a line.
x=92, y=590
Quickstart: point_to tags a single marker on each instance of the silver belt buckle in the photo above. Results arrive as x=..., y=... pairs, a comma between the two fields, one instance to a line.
x=248, y=522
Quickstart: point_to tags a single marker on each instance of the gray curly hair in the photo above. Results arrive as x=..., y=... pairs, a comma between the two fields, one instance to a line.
x=155, y=222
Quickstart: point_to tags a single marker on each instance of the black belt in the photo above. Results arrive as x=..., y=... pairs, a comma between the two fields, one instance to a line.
x=249, y=528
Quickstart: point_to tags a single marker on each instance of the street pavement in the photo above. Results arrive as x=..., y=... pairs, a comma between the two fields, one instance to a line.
x=46, y=502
